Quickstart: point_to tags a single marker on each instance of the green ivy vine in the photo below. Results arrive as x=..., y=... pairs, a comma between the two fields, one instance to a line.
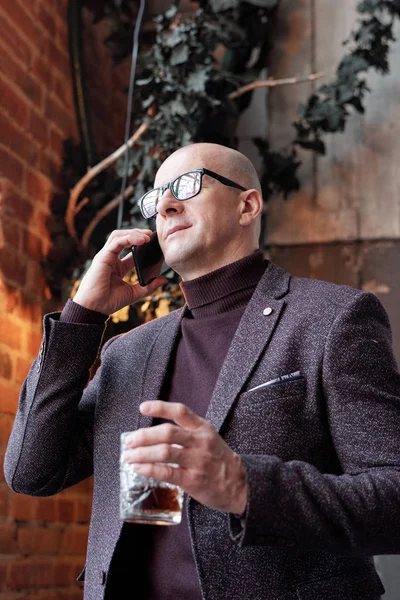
x=182, y=83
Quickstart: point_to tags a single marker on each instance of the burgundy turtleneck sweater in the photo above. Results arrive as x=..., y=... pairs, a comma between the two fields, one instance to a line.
x=216, y=302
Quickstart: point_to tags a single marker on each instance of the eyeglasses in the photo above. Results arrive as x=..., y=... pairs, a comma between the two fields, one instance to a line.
x=183, y=187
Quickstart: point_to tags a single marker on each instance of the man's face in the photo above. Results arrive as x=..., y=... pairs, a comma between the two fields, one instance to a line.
x=198, y=234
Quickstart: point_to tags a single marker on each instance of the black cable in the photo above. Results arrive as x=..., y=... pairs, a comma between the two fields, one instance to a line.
x=129, y=109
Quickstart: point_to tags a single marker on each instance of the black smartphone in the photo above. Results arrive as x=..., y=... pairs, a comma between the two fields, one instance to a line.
x=149, y=260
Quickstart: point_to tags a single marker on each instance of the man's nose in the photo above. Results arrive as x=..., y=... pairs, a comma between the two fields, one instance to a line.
x=168, y=203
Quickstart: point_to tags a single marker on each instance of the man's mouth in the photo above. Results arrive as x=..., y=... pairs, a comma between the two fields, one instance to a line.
x=175, y=229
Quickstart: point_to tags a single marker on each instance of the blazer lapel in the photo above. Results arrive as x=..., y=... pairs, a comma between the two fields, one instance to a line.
x=157, y=362
x=251, y=337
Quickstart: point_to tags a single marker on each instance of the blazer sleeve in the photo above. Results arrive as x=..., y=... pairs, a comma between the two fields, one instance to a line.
x=293, y=504
x=51, y=443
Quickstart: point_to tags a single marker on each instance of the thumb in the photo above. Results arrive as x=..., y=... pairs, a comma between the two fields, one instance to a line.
x=158, y=282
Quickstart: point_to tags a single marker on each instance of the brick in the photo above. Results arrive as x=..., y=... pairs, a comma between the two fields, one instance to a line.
x=13, y=267
x=61, y=88
x=22, y=369
x=56, y=142
x=11, y=37
x=4, y=500
x=64, y=572
x=50, y=166
x=30, y=573
x=47, y=20
x=74, y=541
x=42, y=70
x=9, y=395
x=22, y=507
x=70, y=594
x=25, y=307
x=66, y=510
x=84, y=511
x=10, y=166
x=39, y=540
x=2, y=478
x=10, y=333
x=60, y=11
x=11, y=69
x=13, y=204
x=32, y=89
x=13, y=104
x=18, y=141
x=10, y=234
x=59, y=114
x=32, y=246
x=61, y=34
x=59, y=59
x=6, y=365
x=23, y=22
x=35, y=281
x=34, y=339
x=41, y=222
x=38, y=187
x=6, y=423
x=8, y=538
x=3, y=578
x=85, y=487
x=39, y=129
x=46, y=509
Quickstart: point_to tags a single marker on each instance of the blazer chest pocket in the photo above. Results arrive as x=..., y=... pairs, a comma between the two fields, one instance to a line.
x=267, y=421
x=276, y=391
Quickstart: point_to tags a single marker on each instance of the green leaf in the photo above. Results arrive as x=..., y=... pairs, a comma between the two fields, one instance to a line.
x=179, y=55
x=196, y=82
x=351, y=65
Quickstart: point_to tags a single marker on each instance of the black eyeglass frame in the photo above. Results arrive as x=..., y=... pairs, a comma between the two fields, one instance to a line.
x=202, y=171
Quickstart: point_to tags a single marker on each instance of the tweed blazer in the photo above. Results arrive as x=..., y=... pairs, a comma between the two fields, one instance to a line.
x=321, y=451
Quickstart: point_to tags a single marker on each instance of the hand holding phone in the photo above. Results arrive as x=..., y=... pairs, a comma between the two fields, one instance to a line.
x=103, y=288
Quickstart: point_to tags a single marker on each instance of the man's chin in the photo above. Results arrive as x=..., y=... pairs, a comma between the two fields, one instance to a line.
x=179, y=259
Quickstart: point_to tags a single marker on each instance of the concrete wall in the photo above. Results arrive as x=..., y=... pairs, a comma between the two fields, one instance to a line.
x=344, y=224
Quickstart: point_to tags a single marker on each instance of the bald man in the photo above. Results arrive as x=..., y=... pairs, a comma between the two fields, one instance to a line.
x=277, y=399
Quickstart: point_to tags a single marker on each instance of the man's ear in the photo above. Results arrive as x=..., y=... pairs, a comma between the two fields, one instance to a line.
x=251, y=204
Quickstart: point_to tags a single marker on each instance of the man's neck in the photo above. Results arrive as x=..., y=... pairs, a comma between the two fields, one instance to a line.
x=196, y=271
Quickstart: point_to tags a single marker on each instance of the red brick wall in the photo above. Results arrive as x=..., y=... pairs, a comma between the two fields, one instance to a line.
x=42, y=540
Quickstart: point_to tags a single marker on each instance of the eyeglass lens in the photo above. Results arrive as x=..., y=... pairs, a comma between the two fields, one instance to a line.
x=184, y=187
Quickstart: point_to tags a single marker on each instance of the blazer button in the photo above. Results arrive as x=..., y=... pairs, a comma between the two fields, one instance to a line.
x=103, y=576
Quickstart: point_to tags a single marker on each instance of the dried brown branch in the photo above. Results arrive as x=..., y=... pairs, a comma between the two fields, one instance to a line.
x=271, y=82
x=73, y=206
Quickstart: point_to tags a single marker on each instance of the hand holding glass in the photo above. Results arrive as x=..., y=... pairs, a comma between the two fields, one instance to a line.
x=146, y=500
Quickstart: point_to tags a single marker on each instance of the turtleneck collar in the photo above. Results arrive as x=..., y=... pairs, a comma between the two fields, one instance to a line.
x=227, y=288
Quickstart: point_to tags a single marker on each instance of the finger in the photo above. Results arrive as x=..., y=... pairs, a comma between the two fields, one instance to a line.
x=118, y=233
x=158, y=282
x=160, y=472
x=173, y=411
x=127, y=263
x=160, y=453
x=166, y=433
x=119, y=243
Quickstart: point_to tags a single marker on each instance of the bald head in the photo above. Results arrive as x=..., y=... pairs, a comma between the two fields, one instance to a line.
x=226, y=161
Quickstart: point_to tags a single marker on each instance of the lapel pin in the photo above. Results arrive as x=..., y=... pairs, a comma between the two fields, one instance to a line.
x=267, y=311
